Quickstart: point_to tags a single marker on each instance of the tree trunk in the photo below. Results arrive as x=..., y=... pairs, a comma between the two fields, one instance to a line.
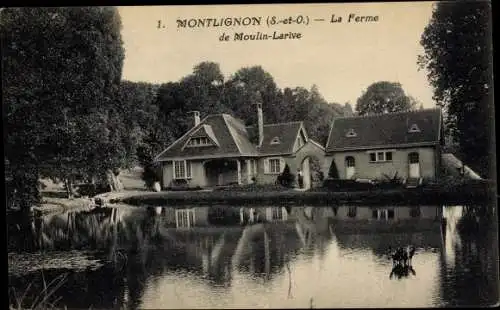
x=69, y=188
x=113, y=181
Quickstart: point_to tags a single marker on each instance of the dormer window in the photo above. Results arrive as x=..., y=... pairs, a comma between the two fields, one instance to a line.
x=351, y=133
x=275, y=140
x=414, y=128
x=199, y=141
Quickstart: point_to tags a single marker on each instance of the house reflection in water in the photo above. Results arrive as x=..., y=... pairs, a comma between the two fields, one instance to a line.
x=263, y=214
x=386, y=218
x=215, y=249
x=183, y=218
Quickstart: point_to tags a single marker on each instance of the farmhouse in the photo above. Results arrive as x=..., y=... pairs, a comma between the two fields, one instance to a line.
x=402, y=144
x=220, y=150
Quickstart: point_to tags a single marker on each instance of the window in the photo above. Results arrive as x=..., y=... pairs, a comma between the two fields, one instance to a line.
x=415, y=212
x=388, y=156
x=380, y=156
x=383, y=214
x=184, y=218
x=351, y=133
x=277, y=214
x=413, y=158
x=199, y=141
x=254, y=166
x=350, y=162
x=275, y=140
x=414, y=128
x=352, y=212
x=390, y=213
x=182, y=169
x=274, y=165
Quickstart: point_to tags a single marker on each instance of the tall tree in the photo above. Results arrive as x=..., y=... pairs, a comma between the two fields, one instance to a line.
x=240, y=94
x=320, y=116
x=384, y=97
x=458, y=58
x=61, y=71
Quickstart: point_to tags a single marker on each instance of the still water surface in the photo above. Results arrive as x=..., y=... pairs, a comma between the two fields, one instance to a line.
x=129, y=257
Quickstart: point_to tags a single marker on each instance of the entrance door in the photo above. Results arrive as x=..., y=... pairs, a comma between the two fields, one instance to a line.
x=350, y=169
x=414, y=165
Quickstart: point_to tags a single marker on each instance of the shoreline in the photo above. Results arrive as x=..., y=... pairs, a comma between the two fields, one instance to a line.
x=293, y=197
x=50, y=205
x=394, y=197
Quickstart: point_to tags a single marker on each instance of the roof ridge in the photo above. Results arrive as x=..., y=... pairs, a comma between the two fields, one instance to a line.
x=389, y=113
x=231, y=130
x=317, y=143
x=285, y=123
x=188, y=132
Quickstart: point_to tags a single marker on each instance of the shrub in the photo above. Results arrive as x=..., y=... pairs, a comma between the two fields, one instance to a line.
x=180, y=183
x=333, y=173
x=253, y=188
x=286, y=178
x=90, y=189
x=150, y=175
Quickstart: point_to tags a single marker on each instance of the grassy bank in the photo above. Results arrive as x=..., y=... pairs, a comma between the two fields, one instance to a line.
x=56, y=205
x=421, y=196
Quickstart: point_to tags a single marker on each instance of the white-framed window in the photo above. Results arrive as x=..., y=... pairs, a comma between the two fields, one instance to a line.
x=351, y=133
x=380, y=156
x=414, y=128
x=277, y=214
x=275, y=140
x=383, y=214
x=274, y=165
x=184, y=218
x=182, y=169
x=199, y=141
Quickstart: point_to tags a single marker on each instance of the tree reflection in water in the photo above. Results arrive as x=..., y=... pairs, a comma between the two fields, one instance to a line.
x=141, y=245
x=472, y=277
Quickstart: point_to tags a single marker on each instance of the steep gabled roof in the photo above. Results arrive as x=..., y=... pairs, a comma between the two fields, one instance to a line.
x=240, y=135
x=285, y=132
x=228, y=132
x=204, y=131
x=385, y=130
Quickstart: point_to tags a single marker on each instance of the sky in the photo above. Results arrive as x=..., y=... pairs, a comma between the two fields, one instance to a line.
x=341, y=58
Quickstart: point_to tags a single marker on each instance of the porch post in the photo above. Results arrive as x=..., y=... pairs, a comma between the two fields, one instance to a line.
x=249, y=171
x=238, y=165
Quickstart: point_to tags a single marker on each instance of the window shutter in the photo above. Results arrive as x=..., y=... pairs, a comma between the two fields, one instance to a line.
x=188, y=169
x=266, y=165
x=282, y=165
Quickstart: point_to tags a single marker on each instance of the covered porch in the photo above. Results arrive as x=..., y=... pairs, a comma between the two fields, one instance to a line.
x=229, y=171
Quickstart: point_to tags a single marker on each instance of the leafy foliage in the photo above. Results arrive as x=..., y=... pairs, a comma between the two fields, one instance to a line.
x=59, y=112
x=458, y=59
x=286, y=178
x=384, y=97
x=333, y=173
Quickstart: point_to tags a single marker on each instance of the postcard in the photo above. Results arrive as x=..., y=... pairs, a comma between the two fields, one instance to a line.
x=314, y=155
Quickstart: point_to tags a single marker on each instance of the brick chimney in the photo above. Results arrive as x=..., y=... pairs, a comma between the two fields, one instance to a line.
x=260, y=117
x=196, y=115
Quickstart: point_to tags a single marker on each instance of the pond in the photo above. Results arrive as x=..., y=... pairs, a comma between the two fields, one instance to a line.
x=232, y=257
